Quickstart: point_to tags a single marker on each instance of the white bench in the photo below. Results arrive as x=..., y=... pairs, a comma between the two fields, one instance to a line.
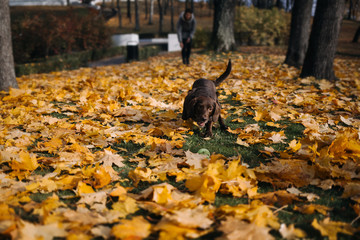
x=133, y=39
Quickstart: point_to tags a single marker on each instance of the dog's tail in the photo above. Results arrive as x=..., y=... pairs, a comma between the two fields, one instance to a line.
x=224, y=75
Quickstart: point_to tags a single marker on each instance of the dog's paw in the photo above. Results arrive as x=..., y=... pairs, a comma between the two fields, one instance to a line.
x=208, y=135
x=223, y=127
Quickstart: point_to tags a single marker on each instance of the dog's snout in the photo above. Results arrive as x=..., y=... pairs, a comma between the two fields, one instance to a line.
x=203, y=119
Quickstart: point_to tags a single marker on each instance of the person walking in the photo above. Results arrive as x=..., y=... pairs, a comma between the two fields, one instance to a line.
x=186, y=26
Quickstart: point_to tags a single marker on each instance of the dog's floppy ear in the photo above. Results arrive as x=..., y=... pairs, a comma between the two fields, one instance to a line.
x=188, y=109
x=216, y=112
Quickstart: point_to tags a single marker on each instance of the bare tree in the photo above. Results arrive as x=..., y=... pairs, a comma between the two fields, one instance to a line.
x=146, y=9
x=161, y=16
x=119, y=12
x=357, y=35
x=223, y=38
x=172, y=15
x=129, y=10
x=299, y=33
x=137, y=22
x=7, y=71
x=324, y=35
x=151, y=12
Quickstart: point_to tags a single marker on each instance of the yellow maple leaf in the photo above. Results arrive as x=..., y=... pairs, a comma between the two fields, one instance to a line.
x=346, y=144
x=119, y=192
x=110, y=158
x=290, y=232
x=24, y=161
x=136, y=228
x=78, y=236
x=331, y=228
x=294, y=145
x=198, y=217
x=125, y=207
x=102, y=178
x=162, y=194
x=83, y=188
x=142, y=174
x=207, y=184
x=312, y=208
x=170, y=230
x=236, y=229
x=51, y=146
x=68, y=182
x=256, y=213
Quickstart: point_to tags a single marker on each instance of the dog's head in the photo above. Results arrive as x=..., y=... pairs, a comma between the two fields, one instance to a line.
x=204, y=109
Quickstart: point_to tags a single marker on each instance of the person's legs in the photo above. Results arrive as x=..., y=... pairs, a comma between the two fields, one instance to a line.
x=184, y=51
x=188, y=52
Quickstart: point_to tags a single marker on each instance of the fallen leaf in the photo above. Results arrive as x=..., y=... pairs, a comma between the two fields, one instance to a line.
x=136, y=228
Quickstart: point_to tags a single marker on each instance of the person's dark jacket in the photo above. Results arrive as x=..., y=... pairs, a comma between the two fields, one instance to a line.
x=185, y=29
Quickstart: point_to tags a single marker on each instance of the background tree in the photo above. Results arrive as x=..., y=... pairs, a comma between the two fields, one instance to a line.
x=7, y=71
x=129, y=10
x=137, y=21
x=172, y=15
x=119, y=12
x=324, y=35
x=299, y=32
x=223, y=38
x=146, y=9
x=357, y=35
x=151, y=12
x=161, y=16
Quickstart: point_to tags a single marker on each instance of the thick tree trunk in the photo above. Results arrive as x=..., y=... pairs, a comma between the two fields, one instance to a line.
x=324, y=35
x=7, y=71
x=299, y=33
x=223, y=38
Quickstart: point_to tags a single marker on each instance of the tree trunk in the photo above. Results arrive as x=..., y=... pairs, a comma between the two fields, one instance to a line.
x=324, y=35
x=119, y=12
x=357, y=35
x=146, y=9
x=137, y=21
x=186, y=4
x=299, y=33
x=7, y=71
x=223, y=38
x=129, y=10
x=151, y=12
x=172, y=15
x=161, y=14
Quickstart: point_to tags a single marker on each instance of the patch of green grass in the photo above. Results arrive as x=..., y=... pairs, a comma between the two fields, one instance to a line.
x=223, y=143
x=222, y=199
x=43, y=171
x=40, y=197
x=58, y=115
x=127, y=148
x=332, y=198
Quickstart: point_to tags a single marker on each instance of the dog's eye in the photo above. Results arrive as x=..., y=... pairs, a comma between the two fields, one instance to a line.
x=210, y=108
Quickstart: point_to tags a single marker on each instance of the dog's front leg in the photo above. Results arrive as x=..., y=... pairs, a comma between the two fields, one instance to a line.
x=222, y=124
x=208, y=130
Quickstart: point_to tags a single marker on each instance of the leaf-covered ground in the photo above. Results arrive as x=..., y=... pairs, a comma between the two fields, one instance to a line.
x=103, y=153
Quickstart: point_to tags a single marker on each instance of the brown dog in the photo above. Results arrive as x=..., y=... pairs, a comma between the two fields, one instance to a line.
x=202, y=105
